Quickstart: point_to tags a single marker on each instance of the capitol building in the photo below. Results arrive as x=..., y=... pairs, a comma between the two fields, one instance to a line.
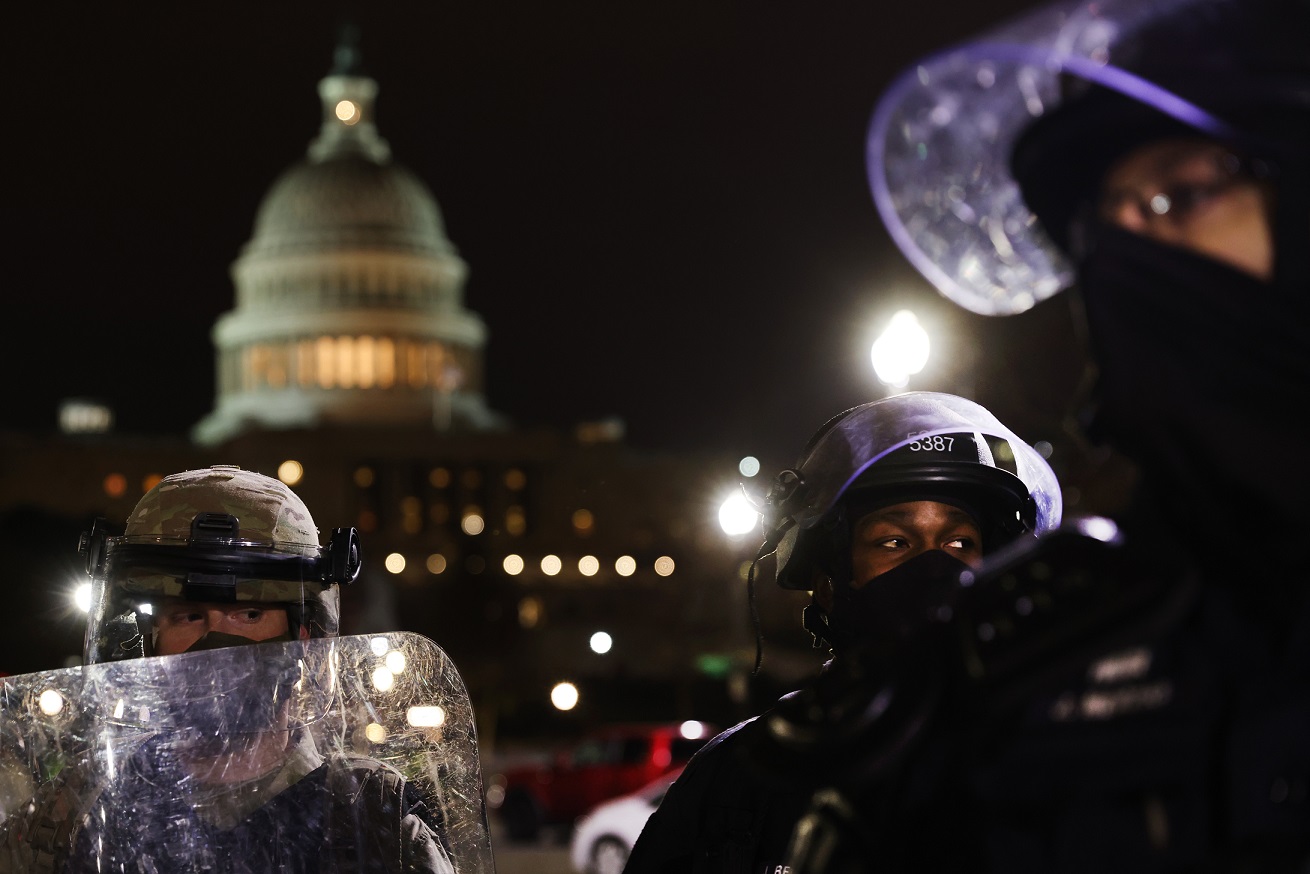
x=349, y=297
x=350, y=367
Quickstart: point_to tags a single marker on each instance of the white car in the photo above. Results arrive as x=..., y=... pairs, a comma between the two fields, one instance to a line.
x=604, y=837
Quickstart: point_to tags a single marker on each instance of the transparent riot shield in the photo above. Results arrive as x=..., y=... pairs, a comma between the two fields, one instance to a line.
x=354, y=754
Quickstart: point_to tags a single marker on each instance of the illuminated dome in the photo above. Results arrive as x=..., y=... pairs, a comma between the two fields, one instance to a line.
x=349, y=200
x=349, y=297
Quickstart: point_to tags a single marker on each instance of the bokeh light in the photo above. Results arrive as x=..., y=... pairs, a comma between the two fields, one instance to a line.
x=564, y=696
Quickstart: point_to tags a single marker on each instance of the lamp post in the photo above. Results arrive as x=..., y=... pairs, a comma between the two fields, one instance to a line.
x=900, y=351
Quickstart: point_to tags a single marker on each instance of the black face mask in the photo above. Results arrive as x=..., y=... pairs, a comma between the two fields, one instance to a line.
x=1204, y=376
x=892, y=608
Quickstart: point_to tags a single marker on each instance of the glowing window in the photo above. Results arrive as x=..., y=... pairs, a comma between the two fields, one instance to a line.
x=365, y=359
x=415, y=368
x=583, y=521
x=346, y=362
x=530, y=610
x=305, y=359
x=115, y=485
x=325, y=362
x=516, y=522
x=384, y=362
x=515, y=479
x=439, y=477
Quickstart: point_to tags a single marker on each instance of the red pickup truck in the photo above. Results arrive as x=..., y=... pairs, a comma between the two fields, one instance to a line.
x=605, y=764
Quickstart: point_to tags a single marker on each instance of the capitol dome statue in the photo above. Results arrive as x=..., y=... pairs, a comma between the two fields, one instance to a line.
x=349, y=297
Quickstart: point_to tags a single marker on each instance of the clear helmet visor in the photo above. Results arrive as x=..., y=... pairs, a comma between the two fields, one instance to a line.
x=942, y=136
x=850, y=449
x=150, y=586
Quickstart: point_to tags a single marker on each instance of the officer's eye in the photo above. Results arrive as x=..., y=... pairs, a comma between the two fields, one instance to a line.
x=249, y=615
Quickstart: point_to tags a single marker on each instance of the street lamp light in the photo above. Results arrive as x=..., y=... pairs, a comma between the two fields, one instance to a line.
x=900, y=351
x=737, y=516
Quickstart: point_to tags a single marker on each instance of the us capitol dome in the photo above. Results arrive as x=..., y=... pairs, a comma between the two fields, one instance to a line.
x=349, y=296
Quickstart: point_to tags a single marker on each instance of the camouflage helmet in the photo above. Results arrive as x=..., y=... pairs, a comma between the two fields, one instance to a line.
x=221, y=534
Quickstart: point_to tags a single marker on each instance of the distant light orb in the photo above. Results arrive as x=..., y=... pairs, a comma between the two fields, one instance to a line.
x=749, y=466
x=625, y=565
x=564, y=696
x=426, y=716
x=551, y=565
x=737, y=516
x=901, y=350
x=664, y=566
x=601, y=642
x=588, y=565
x=50, y=702
x=472, y=523
x=513, y=565
x=82, y=597
x=692, y=729
x=290, y=471
x=395, y=562
x=347, y=111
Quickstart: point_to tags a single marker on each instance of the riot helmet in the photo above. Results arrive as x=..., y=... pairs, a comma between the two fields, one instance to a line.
x=220, y=534
x=982, y=156
x=914, y=446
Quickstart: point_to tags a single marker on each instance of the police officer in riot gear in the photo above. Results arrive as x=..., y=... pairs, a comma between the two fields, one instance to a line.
x=888, y=505
x=1153, y=154
x=219, y=571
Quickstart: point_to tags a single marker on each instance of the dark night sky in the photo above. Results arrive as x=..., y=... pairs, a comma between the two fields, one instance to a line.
x=663, y=206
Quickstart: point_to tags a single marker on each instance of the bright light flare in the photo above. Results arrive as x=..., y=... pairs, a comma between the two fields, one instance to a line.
x=601, y=642
x=290, y=471
x=564, y=696
x=50, y=702
x=737, y=516
x=82, y=597
x=347, y=111
x=901, y=350
x=431, y=716
x=692, y=729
